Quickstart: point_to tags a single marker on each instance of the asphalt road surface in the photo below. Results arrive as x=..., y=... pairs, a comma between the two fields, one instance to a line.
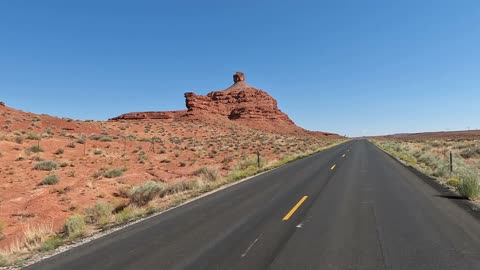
x=349, y=207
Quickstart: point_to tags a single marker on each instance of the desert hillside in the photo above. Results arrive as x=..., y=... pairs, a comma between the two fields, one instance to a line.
x=52, y=168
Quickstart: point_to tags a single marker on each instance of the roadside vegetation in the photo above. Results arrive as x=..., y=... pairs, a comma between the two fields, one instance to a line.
x=433, y=158
x=132, y=202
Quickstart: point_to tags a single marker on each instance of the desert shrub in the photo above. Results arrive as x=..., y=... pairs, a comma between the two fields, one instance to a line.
x=471, y=152
x=35, y=149
x=441, y=170
x=453, y=182
x=100, y=213
x=106, y=139
x=113, y=173
x=427, y=159
x=32, y=136
x=142, y=157
x=95, y=137
x=75, y=226
x=129, y=213
x=71, y=145
x=97, y=152
x=469, y=186
x=2, y=227
x=408, y=159
x=51, y=243
x=209, y=174
x=238, y=173
x=181, y=186
x=46, y=165
x=19, y=139
x=249, y=162
x=51, y=179
x=141, y=195
x=63, y=164
x=125, y=215
x=3, y=259
x=59, y=151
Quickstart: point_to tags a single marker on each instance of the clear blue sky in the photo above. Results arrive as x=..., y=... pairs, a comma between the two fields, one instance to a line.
x=350, y=67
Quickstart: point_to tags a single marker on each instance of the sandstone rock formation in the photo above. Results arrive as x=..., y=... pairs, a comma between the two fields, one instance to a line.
x=240, y=102
x=171, y=115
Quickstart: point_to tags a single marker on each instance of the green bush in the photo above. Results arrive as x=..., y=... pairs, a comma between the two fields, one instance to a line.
x=51, y=179
x=75, y=226
x=469, y=186
x=46, y=165
x=32, y=136
x=125, y=215
x=100, y=213
x=35, y=149
x=453, y=182
x=113, y=173
x=51, y=243
x=141, y=195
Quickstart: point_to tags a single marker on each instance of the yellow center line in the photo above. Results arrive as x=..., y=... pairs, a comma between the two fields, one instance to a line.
x=295, y=208
x=333, y=167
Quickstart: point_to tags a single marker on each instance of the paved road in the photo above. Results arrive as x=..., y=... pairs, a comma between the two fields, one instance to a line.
x=349, y=207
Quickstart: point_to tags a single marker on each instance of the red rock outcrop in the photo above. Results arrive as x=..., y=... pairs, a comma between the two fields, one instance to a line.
x=172, y=115
x=240, y=102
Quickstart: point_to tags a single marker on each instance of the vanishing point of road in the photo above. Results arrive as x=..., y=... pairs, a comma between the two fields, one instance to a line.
x=349, y=207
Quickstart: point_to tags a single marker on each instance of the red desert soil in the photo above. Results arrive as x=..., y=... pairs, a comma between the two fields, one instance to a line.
x=217, y=131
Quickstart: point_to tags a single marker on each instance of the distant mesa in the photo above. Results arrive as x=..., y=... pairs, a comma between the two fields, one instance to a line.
x=240, y=102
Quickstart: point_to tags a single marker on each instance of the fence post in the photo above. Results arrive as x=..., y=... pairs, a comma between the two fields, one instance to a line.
x=451, y=163
x=258, y=158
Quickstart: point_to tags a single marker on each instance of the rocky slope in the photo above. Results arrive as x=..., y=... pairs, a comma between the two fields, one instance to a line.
x=240, y=102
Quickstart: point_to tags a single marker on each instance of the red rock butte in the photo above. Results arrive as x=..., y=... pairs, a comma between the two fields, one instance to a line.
x=242, y=103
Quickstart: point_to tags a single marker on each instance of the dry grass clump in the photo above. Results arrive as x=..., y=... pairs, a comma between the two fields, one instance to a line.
x=75, y=226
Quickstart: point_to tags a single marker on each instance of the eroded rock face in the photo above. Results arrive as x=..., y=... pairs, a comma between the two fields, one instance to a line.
x=242, y=103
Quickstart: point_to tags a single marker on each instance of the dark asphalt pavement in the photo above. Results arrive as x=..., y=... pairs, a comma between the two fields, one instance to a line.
x=349, y=207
